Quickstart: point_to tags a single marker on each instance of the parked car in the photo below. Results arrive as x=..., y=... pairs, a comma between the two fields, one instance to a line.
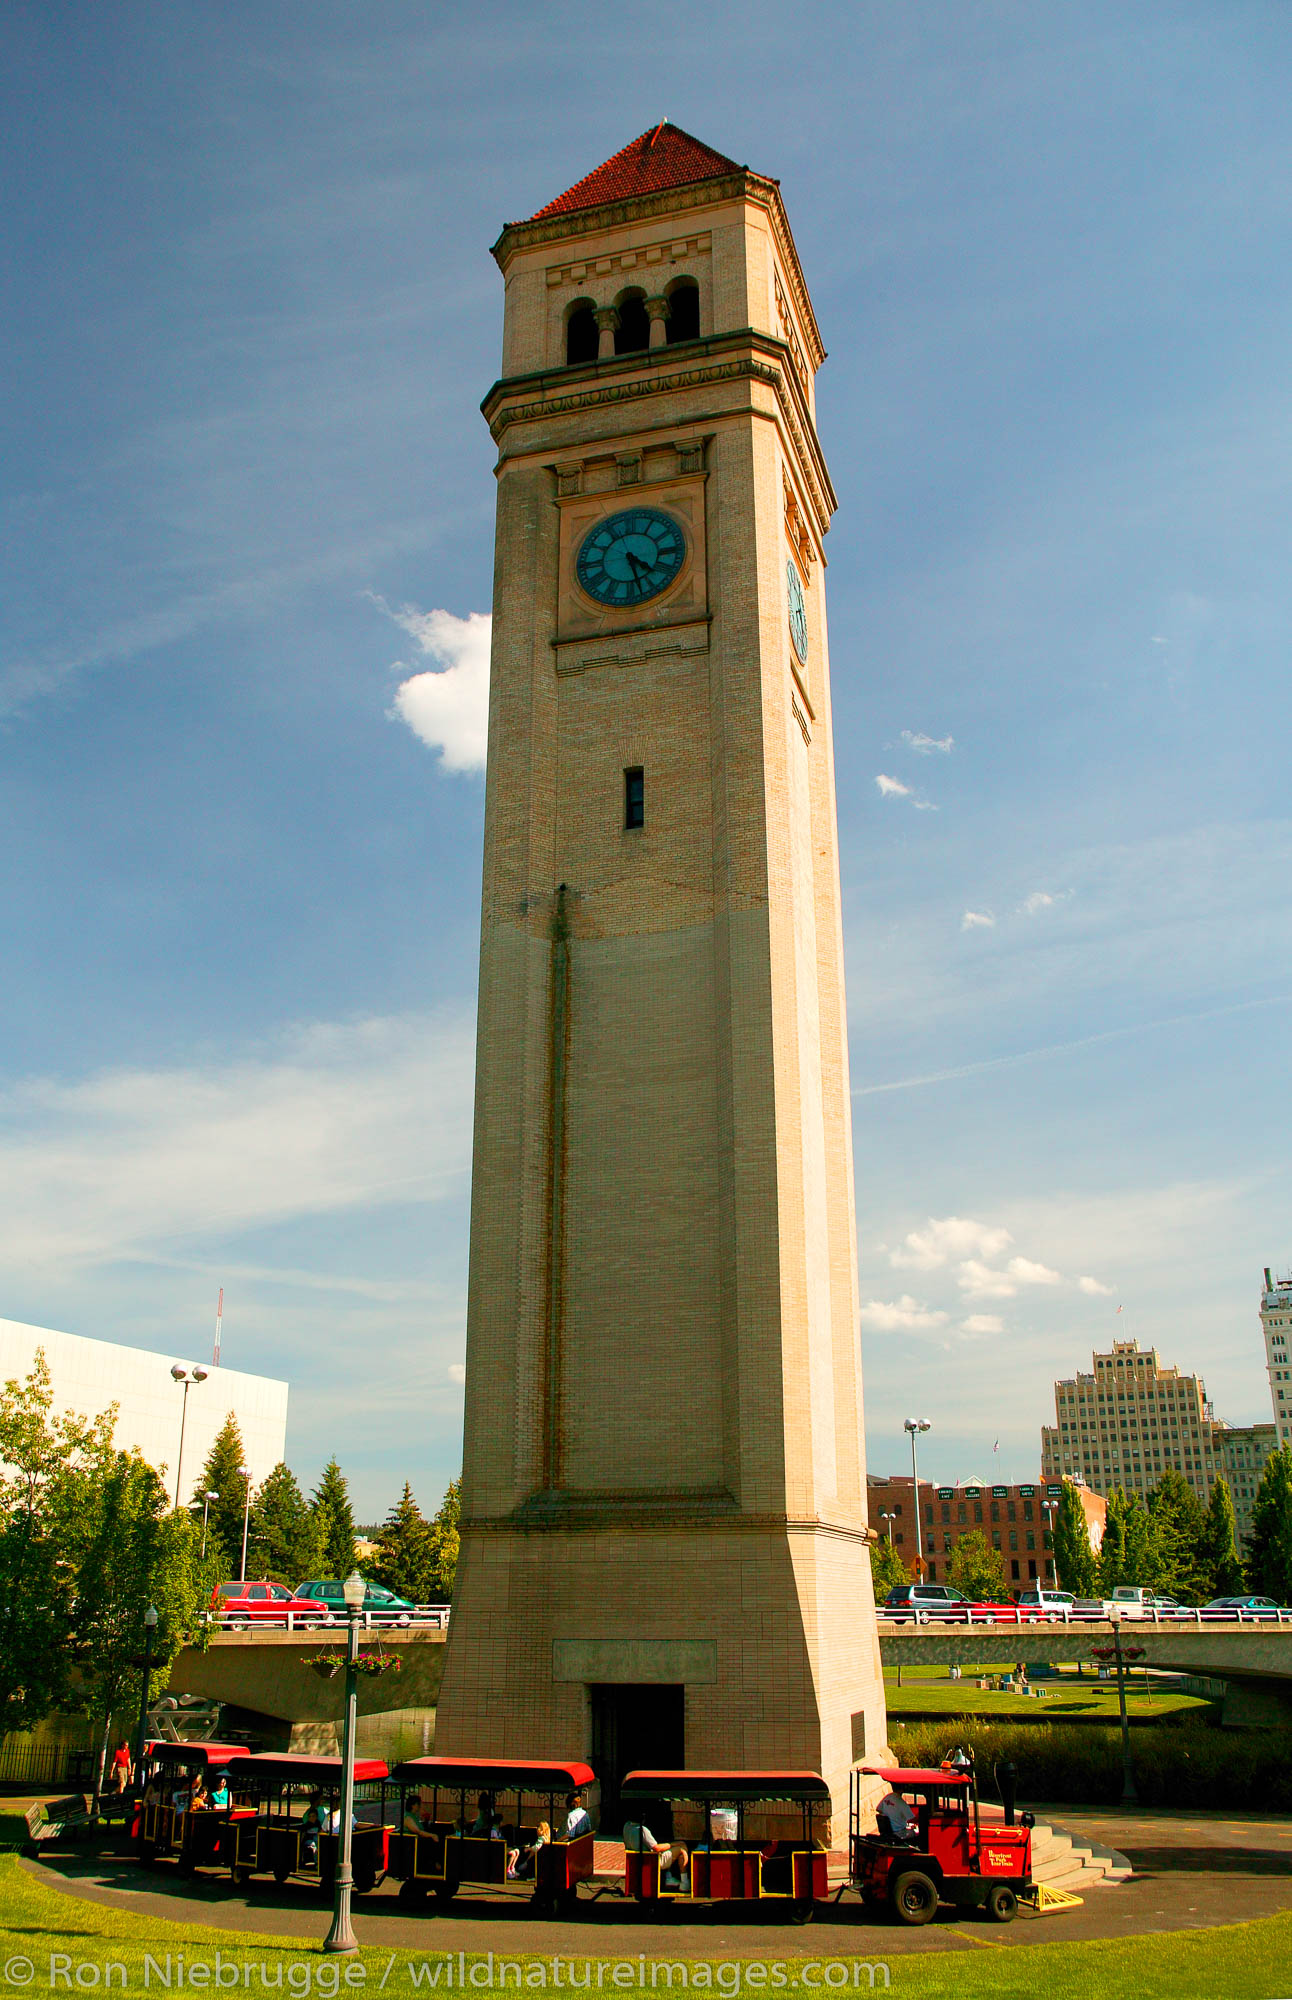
x=1131, y=1600
x=1248, y=1607
x=243, y=1603
x=376, y=1598
x=922, y=1601
x=1038, y=1602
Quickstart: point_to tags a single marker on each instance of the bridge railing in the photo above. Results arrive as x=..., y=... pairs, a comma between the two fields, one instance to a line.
x=1012, y=1615
x=279, y=1621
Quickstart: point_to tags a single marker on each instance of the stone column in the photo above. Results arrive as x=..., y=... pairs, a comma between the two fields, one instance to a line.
x=607, y=320
x=658, y=310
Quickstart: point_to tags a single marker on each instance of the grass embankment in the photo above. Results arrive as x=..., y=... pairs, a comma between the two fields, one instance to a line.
x=1242, y=1961
x=1187, y=1764
x=926, y=1691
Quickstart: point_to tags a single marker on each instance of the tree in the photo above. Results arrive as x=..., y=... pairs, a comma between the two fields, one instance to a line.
x=405, y=1558
x=44, y=1462
x=1269, y=1546
x=131, y=1552
x=976, y=1568
x=1179, y=1527
x=887, y=1570
x=1224, y=1571
x=1128, y=1553
x=444, y=1544
x=1074, y=1559
x=334, y=1522
x=225, y=1475
x=285, y=1531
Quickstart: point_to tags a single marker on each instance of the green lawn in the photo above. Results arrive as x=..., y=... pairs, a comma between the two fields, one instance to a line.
x=927, y=1691
x=1240, y=1961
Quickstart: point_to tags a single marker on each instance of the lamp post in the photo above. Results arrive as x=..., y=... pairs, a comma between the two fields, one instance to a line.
x=207, y=1498
x=150, y=1627
x=341, y=1937
x=890, y=1518
x=246, y=1520
x=1120, y=1654
x=914, y=1425
x=1050, y=1508
x=187, y=1376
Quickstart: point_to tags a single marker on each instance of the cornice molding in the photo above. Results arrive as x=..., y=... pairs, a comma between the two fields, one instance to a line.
x=631, y=378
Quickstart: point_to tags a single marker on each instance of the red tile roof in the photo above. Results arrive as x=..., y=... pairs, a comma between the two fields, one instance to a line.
x=665, y=157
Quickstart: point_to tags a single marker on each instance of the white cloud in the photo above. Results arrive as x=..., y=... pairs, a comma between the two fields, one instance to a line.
x=1027, y=1273
x=904, y=1315
x=1039, y=900
x=977, y=920
x=981, y=1282
x=335, y=1117
x=946, y=1240
x=927, y=745
x=982, y=1323
x=892, y=788
x=457, y=1371
x=1093, y=1289
x=448, y=704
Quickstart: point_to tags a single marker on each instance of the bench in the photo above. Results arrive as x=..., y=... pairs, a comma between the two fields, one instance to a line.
x=66, y=1817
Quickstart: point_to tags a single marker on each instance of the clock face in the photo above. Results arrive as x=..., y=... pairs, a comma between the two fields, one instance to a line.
x=798, y=612
x=630, y=557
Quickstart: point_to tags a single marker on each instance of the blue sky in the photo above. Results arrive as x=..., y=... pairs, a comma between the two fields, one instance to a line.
x=249, y=315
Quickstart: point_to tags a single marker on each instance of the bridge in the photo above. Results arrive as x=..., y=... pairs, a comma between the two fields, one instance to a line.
x=264, y=1685
x=1254, y=1660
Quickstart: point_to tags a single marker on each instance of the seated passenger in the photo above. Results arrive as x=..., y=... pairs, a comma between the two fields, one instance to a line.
x=673, y=1861
x=896, y=1819
x=311, y=1827
x=577, y=1820
x=521, y=1865
x=220, y=1795
x=481, y=1826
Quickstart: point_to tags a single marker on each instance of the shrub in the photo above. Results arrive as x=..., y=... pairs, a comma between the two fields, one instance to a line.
x=1181, y=1764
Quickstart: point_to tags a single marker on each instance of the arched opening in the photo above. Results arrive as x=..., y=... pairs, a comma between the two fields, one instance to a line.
x=683, y=321
x=581, y=334
x=633, y=331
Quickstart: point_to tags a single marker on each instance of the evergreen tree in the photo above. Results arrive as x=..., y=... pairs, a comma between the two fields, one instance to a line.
x=1111, y=1566
x=1179, y=1533
x=1269, y=1547
x=224, y=1474
x=334, y=1523
x=285, y=1531
x=444, y=1544
x=1143, y=1562
x=1224, y=1571
x=976, y=1569
x=1074, y=1559
x=887, y=1570
x=405, y=1560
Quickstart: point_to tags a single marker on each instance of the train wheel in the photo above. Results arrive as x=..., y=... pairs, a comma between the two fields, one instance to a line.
x=280, y=1874
x=412, y=1894
x=445, y=1893
x=1002, y=1904
x=801, y=1910
x=914, y=1898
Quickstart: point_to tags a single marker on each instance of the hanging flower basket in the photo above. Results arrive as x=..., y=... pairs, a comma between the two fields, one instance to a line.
x=377, y=1663
x=326, y=1665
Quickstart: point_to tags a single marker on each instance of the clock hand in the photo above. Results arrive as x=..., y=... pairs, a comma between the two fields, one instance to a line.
x=639, y=567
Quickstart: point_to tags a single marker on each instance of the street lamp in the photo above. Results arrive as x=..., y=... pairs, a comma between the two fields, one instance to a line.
x=187, y=1376
x=1050, y=1508
x=1120, y=1654
x=150, y=1627
x=890, y=1518
x=207, y=1498
x=914, y=1425
x=341, y=1937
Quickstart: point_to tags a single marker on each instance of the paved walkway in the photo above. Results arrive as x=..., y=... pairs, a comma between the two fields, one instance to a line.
x=1193, y=1871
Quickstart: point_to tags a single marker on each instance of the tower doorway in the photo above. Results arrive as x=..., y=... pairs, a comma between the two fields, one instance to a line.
x=635, y=1728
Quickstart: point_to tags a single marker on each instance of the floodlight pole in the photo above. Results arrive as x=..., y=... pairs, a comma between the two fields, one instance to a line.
x=341, y=1937
x=913, y=1426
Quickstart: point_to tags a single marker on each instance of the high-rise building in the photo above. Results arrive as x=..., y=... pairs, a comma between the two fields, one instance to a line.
x=1276, y=1325
x=1240, y=1452
x=664, y=1545
x=1127, y=1421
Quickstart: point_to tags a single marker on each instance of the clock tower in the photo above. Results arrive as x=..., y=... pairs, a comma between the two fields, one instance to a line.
x=664, y=1543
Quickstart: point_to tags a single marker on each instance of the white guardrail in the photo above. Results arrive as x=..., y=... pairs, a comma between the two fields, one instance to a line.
x=279, y=1621
x=1190, y=1614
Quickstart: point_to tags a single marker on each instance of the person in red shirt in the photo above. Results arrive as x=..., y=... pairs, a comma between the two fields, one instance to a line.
x=122, y=1768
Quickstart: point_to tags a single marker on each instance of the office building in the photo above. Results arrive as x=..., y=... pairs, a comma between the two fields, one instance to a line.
x=1016, y=1520
x=1276, y=1325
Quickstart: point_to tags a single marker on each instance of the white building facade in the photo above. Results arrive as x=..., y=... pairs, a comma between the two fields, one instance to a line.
x=1276, y=1325
x=87, y=1375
